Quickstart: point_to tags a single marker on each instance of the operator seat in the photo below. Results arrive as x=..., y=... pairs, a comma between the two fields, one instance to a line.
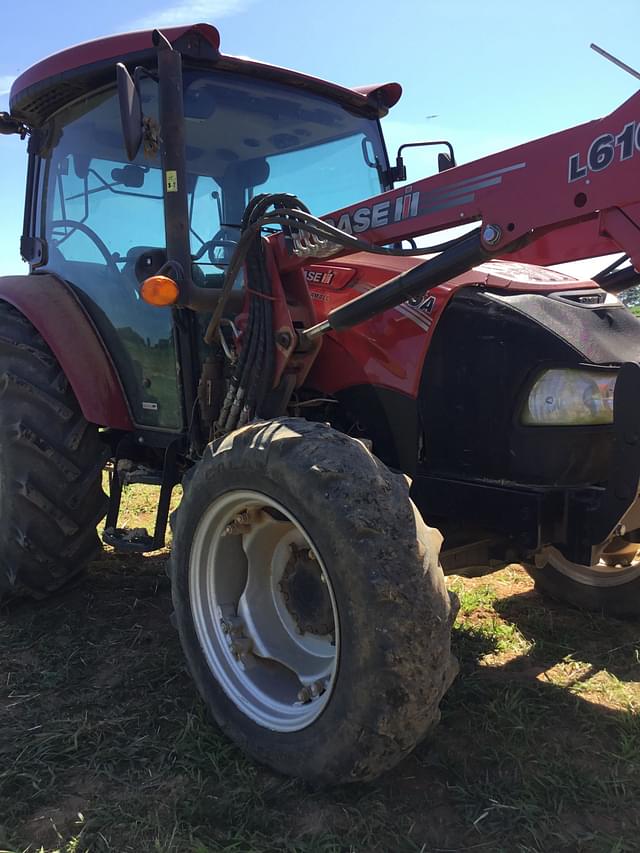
x=143, y=261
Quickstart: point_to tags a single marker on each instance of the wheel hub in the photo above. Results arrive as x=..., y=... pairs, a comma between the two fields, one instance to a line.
x=305, y=593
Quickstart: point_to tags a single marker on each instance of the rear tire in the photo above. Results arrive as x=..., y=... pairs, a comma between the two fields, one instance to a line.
x=51, y=462
x=385, y=602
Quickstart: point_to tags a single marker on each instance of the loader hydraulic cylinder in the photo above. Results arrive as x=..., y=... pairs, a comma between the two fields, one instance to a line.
x=465, y=254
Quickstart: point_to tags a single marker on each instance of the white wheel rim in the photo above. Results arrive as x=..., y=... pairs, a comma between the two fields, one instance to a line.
x=261, y=601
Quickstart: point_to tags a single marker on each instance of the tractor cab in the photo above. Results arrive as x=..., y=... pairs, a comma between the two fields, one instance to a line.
x=97, y=219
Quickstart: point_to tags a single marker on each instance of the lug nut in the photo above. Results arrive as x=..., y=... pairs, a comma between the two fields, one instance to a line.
x=240, y=647
x=241, y=524
x=304, y=695
x=311, y=691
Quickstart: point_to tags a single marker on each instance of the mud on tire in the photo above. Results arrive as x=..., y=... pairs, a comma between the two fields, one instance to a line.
x=51, y=461
x=394, y=612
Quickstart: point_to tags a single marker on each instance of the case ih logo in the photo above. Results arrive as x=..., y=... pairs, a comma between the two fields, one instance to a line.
x=420, y=203
x=333, y=278
x=319, y=277
x=380, y=214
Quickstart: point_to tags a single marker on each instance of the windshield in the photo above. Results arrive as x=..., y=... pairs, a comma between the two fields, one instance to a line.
x=243, y=136
x=266, y=137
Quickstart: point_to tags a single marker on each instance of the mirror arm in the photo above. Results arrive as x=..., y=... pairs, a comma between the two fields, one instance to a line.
x=399, y=171
x=9, y=125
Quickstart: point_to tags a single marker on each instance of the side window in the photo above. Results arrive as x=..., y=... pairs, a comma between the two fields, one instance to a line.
x=205, y=211
x=213, y=239
x=100, y=212
x=88, y=203
x=205, y=215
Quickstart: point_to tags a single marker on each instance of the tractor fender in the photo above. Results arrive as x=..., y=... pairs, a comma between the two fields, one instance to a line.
x=53, y=309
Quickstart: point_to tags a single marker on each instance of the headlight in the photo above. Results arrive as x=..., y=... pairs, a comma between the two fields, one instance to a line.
x=571, y=398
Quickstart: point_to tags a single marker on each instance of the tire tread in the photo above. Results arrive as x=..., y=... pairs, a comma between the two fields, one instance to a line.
x=51, y=460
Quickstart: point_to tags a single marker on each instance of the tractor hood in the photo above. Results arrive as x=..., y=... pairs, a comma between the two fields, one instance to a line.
x=368, y=270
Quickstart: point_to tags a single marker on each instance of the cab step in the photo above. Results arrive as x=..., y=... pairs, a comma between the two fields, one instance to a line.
x=129, y=540
x=125, y=472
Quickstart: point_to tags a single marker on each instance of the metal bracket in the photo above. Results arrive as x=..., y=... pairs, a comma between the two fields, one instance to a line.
x=139, y=540
x=624, y=478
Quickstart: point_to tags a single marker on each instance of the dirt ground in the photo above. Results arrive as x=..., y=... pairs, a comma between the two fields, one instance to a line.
x=104, y=745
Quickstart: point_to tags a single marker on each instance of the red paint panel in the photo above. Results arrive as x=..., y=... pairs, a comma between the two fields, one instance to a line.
x=562, y=245
x=389, y=350
x=100, y=50
x=379, y=97
x=387, y=94
x=63, y=323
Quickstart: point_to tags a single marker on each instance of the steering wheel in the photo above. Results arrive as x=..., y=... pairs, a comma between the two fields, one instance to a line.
x=91, y=234
x=220, y=240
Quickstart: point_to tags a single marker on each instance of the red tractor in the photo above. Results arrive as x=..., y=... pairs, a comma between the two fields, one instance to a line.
x=317, y=387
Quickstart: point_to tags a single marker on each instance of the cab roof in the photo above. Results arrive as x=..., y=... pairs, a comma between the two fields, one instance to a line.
x=55, y=81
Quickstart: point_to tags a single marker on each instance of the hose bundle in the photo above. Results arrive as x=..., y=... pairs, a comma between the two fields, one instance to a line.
x=252, y=377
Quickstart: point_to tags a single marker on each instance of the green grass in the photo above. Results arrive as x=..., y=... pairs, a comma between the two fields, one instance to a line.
x=105, y=747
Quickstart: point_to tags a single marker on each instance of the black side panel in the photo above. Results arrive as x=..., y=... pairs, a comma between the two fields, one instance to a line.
x=485, y=354
x=604, y=334
x=386, y=417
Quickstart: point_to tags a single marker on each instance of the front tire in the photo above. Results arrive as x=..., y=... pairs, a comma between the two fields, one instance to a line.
x=309, y=601
x=607, y=589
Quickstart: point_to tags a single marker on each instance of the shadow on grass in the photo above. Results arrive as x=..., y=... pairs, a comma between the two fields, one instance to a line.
x=559, y=633
x=105, y=747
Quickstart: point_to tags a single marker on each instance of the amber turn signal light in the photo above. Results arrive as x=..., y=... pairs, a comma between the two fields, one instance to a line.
x=159, y=290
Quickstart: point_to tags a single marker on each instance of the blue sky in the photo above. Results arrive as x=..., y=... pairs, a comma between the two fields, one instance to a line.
x=493, y=73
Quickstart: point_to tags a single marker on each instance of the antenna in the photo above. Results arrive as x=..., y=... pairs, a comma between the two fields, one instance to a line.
x=616, y=61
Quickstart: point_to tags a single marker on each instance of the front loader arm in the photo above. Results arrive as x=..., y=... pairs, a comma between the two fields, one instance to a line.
x=569, y=184
x=570, y=195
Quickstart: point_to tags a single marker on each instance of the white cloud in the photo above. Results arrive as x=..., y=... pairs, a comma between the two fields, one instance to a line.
x=6, y=81
x=191, y=12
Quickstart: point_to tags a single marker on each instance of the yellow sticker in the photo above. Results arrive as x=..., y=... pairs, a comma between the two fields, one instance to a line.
x=172, y=181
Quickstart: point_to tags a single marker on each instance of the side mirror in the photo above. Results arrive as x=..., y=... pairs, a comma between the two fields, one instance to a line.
x=9, y=124
x=446, y=161
x=399, y=172
x=129, y=176
x=130, y=111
